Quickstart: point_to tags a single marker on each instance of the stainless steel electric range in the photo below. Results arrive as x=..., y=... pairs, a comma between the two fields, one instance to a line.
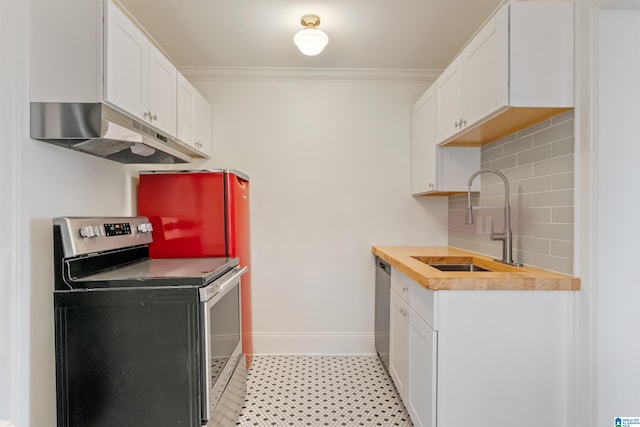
x=143, y=342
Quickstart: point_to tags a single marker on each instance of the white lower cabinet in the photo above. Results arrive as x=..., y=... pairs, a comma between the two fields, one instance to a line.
x=423, y=362
x=413, y=348
x=471, y=357
x=399, y=344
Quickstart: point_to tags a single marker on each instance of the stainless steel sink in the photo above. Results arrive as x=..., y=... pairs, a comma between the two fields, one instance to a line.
x=458, y=267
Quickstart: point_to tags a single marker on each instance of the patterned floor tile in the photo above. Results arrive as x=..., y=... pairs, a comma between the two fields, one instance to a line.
x=321, y=391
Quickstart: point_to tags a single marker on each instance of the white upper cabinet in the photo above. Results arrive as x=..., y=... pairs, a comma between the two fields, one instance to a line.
x=423, y=143
x=139, y=79
x=437, y=170
x=516, y=71
x=485, y=85
x=450, y=105
x=126, y=65
x=194, y=116
x=91, y=51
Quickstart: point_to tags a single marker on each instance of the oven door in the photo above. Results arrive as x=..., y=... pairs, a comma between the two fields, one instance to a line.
x=222, y=317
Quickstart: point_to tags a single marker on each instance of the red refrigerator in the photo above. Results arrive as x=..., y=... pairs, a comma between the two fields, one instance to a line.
x=201, y=213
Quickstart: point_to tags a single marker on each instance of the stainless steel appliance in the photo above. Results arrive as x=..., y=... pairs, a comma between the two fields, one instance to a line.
x=140, y=341
x=383, y=288
x=100, y=130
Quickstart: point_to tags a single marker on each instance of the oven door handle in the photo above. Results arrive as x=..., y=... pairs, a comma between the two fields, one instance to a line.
x=219, y=290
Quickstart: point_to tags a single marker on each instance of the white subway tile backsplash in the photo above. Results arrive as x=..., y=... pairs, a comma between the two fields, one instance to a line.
x=538, y=162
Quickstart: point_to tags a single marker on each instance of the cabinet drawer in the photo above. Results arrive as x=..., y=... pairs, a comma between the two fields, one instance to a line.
x=422, y=301
x=400, y=284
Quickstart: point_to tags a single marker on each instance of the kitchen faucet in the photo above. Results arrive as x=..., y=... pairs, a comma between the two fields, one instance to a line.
x=506, y=235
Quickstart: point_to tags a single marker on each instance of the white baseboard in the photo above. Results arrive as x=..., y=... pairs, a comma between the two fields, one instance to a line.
x=316, y=343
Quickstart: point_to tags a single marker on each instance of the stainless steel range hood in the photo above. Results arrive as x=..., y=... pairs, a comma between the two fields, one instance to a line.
x=102, y=131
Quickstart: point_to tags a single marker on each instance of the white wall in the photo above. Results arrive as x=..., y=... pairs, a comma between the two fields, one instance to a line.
x=329, y=168
x=39, y=182
x=618, y=214
x=12, y=92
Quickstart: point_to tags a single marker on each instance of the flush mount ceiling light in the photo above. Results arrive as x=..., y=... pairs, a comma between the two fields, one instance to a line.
x=310, y=40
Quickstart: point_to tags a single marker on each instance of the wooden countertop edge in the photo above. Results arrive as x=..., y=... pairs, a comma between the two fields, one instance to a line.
x=518, y=278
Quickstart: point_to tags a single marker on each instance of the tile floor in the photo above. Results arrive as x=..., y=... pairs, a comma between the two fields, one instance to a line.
x=321, y=391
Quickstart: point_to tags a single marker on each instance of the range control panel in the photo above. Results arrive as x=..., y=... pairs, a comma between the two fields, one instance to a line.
x=85, y=235
x=119, y=229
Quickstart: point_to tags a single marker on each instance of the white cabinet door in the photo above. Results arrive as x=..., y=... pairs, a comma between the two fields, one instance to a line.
x=126, y=63
x=485, y=70
x=185, y=113
x=202, y=124
x=476, y=83
x=437, y=170
x=194, y=116
x=423, y=143
x=162, y=92
x=423, y=357
x=139, y=79
x=399, y=345
x=449, y=111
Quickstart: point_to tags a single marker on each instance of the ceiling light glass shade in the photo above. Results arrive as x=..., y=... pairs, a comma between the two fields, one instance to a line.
x=311, y=41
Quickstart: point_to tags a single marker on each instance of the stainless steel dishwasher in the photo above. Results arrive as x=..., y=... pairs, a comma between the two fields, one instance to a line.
x=383, y=288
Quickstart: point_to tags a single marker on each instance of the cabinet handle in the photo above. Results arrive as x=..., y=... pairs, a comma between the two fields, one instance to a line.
x=403, y=312
x=456, y=124
x=463, y=123
x=149, y=115
x=431, y=185
x=405, y=289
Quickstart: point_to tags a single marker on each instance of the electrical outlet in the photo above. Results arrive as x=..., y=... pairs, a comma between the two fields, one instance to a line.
x=488, y=223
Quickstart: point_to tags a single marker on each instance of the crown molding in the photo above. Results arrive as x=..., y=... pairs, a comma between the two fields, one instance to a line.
x=409, y=76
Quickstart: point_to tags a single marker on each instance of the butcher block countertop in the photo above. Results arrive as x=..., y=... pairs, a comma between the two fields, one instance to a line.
x=414, y=262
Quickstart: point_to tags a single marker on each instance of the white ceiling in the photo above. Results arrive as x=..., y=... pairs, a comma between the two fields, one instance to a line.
x=363, y=34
